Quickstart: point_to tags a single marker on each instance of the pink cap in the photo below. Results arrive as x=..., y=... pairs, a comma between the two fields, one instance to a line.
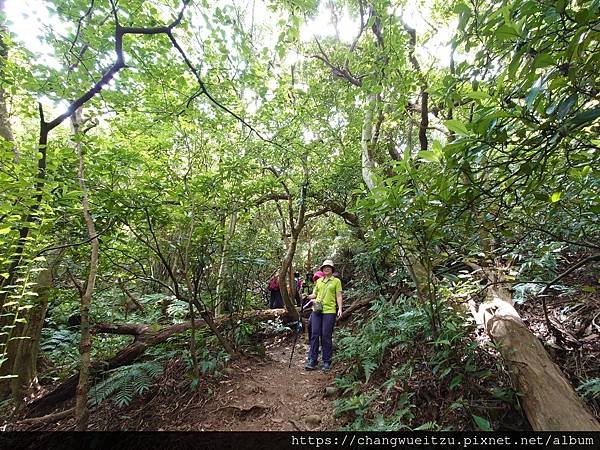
x=318, y=275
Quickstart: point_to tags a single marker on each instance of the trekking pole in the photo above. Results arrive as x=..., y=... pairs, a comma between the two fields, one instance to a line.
x=298, y=330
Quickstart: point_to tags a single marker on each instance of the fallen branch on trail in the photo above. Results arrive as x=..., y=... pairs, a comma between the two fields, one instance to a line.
x=49, y=418
x=549, y=401
x=144, y=337
x=133, y=329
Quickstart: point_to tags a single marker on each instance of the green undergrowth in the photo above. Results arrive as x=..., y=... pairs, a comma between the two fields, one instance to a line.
x=401, y=376
x=590, y=388
x=120, y=386
x=123, y=383
x=60, y=353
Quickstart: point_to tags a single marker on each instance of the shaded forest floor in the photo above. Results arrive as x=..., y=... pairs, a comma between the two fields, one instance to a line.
x=250, y=394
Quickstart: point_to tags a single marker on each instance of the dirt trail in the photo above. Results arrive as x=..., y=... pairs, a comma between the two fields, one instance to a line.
x=266, y=395
x=253, y=394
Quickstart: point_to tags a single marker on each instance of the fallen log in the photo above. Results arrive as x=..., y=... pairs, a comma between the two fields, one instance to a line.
x=144, y=337
x=548, y=399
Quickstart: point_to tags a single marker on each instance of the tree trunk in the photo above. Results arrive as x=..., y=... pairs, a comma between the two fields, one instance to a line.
x=6, y=133
x=549, y=401
x=207, y=317
x=5, y=128
x=8, y=316
x=223, y=264
x=85, y=344
x=417, y=271
x=308, y=266
x=193, y=342
x=366, y=145
x=288, y=302
x=424, y=124
x=24, y=363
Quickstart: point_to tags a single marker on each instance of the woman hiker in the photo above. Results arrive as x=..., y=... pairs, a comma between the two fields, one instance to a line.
x=326, y=295
x=275, y=300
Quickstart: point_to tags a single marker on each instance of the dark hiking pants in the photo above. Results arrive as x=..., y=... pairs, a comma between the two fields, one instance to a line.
x=321, y=334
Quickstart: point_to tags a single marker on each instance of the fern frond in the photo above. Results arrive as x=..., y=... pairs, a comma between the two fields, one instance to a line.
x=590, y=388
x=124, y=383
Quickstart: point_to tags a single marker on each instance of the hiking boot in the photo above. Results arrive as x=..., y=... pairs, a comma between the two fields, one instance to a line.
x=326, y=367
x=310, y=365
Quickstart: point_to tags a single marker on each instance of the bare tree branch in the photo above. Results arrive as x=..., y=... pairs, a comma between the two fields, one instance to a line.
x=336, y=71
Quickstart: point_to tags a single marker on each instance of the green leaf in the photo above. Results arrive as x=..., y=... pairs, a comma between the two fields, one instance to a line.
x=479, y=95
x=543, y=60
x=585, y=117
x=428, y=156
x=455, y=381
x=456, y=405
x=464, y=14
x=566, y=105
x=482, y=424
x=5, y=230
x=551, y=108
x=535, y=90
x=445, y=372
x=456, y=126
x=555, y=197
x=590, y=388
x=516, y=62
x=426, y=426
x=506, y=32
x=369, y=367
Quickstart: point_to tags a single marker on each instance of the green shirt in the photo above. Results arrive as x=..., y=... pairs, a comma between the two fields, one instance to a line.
x=326, y=291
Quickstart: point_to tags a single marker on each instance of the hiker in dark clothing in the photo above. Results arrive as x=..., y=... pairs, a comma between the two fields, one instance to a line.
x=275, y=300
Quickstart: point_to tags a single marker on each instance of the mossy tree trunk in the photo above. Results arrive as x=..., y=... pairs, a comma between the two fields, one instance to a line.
x=23, y=356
